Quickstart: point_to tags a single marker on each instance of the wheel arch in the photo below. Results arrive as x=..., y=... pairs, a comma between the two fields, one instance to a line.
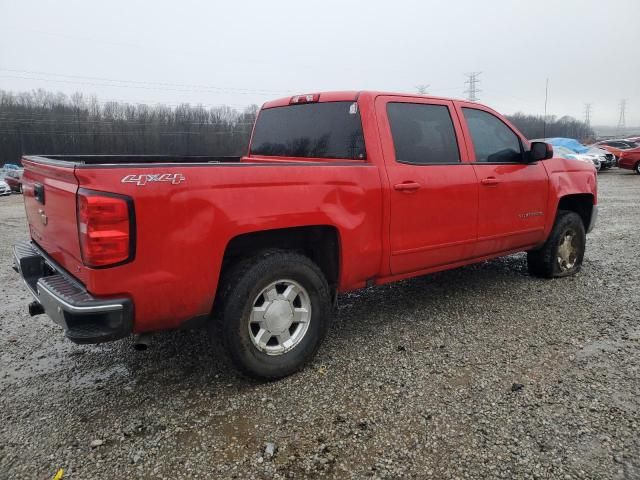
x=580, y=203
x=321, y=243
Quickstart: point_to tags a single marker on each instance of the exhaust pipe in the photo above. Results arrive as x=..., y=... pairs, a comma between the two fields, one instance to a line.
x=141, y=341
x=35, y=308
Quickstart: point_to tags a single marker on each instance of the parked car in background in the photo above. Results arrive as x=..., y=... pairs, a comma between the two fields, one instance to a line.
x=578, y=151
x=606, y=158
x=616, y=146
x=4, y=188
x=14, y=179
x=11, y=166
x=564, y=152
x=630, y=159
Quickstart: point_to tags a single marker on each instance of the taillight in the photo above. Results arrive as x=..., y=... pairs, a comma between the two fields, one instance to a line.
x=105, y=228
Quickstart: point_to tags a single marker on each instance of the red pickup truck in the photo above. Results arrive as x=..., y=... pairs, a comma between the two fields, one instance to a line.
x=338, y=191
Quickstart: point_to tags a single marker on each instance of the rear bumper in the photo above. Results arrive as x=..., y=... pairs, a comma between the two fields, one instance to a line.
x=85, y=318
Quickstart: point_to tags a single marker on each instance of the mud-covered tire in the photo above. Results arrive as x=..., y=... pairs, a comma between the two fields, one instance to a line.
x=548, y=261
x=235, y=305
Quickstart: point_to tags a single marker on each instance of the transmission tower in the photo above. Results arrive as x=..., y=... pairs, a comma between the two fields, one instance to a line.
x=587, y=114
x=622, y=123
x=472, y=89
x=423, y=89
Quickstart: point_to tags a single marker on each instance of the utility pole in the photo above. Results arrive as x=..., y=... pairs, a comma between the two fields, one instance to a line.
x=587, y=114
x=472, y=90
x=544, y=119
x=423, y=88
x=622, y=123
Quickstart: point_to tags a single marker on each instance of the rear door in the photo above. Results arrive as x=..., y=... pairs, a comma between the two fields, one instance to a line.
x=512, y=194
x=433, y=190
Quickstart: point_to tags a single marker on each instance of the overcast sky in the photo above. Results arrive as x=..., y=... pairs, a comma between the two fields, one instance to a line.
x=241, y=52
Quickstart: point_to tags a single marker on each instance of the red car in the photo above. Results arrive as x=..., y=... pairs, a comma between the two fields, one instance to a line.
x=338, y=191
x=14, y=180
x=616, y=146
x=630, y=159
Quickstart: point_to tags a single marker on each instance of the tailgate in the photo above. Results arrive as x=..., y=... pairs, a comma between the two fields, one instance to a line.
x=50, y=203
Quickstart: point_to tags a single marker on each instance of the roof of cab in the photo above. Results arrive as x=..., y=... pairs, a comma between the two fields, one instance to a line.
x=347, y=96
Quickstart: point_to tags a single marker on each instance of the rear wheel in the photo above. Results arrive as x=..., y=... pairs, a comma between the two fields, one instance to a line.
x=273, y=313
x=637, y=168
x=563, y=252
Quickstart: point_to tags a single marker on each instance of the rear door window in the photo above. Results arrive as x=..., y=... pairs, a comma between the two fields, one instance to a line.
x=310, y=130
x=422, y=134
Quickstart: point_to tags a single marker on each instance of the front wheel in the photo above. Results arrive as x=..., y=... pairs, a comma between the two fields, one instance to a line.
x=563, y=252
x=273, y=313
x=637, y=168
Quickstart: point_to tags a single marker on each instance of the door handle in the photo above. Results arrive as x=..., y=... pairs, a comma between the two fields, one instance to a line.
x=490, y=181
x=407, y=186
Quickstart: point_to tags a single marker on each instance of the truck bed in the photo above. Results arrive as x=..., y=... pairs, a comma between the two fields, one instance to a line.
x=187, y=210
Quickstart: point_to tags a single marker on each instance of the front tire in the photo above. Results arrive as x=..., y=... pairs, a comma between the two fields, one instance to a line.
x=637, y=168
x=272, y=313
x=563, y=252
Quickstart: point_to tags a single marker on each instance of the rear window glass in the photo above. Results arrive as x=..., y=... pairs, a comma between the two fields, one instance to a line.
x=310, y=130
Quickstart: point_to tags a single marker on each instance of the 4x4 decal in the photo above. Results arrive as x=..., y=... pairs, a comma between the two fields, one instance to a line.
x=143, y=179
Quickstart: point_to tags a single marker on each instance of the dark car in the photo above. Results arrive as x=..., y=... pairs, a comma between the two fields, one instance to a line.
x=14, y=180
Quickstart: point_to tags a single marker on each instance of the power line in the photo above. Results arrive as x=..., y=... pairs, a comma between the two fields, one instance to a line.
x=149, y=83
x=116, y=123
x=140, y=87
x=622, y=122
x=472, y=90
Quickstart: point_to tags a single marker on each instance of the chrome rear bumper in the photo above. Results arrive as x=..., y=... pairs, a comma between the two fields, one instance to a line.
x=85, y=318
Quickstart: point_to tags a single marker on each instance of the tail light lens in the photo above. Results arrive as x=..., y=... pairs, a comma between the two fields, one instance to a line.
x=105, y=228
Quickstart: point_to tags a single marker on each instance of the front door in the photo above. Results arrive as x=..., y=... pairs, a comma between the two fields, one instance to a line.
x=513, y=195
x=433, y=190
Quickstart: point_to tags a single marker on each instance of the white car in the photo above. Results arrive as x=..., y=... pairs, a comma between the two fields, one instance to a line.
x=565, y=152
x=4, y=188
x=607, y=159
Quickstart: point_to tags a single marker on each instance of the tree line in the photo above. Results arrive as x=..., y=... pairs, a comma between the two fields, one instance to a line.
x=535, y=126
x=42, y=122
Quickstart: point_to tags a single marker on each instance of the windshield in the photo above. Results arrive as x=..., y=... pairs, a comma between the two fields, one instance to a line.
x=310, y=130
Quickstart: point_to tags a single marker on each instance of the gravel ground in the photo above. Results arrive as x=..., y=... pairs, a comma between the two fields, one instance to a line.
x=480, y=372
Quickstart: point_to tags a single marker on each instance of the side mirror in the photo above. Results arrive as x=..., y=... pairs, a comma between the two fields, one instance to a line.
x=540, y=151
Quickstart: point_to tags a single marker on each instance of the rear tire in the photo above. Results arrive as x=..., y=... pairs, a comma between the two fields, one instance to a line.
x=272, y=313
x=637, y=168
x=563, y=252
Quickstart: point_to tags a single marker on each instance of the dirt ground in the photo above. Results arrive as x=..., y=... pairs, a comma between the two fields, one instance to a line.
x=480, y=372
